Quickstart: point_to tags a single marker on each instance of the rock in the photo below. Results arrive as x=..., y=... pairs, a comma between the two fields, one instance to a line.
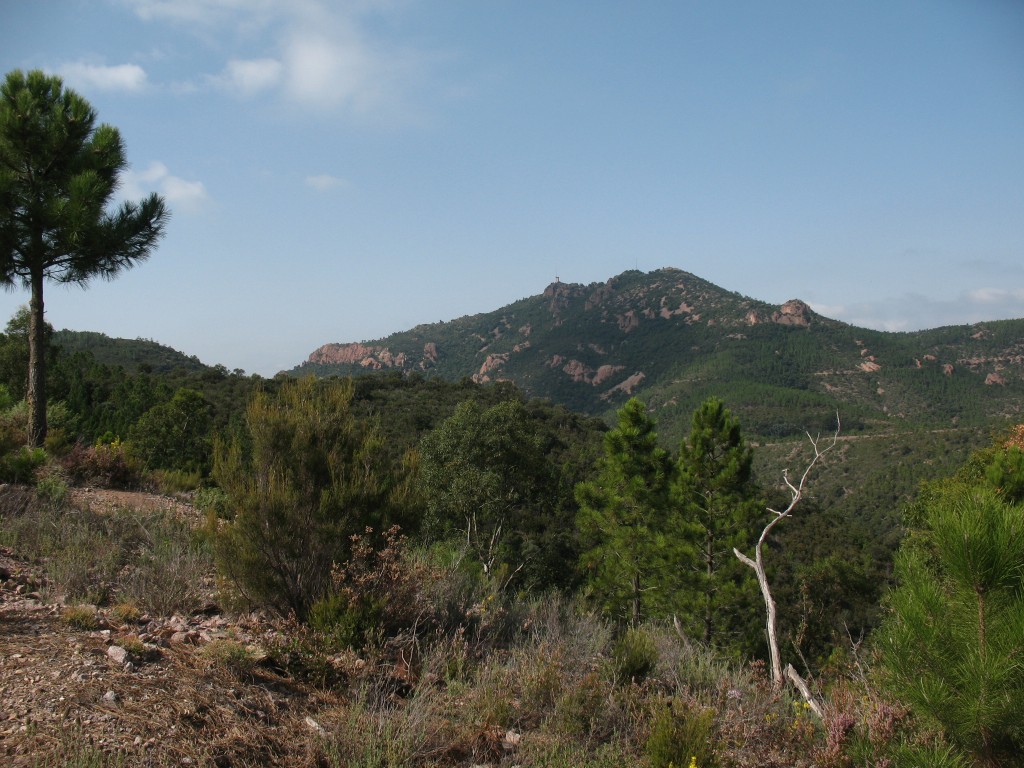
x=118, y=654
x=793, y=312
x=110, y=697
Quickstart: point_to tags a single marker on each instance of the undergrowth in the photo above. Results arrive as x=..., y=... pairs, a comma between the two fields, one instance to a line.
x=438, y=665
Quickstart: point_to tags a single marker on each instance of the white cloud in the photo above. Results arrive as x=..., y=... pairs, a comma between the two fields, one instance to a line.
x=913, y=312
x=323, y=182
x=995, y=295
x=121, y=77
x=828, y=310
x=181, y=195
x=203, y=12
x=320, y=55
x=249, y=76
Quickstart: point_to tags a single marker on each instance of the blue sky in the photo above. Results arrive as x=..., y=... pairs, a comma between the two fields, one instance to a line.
x=338, y=171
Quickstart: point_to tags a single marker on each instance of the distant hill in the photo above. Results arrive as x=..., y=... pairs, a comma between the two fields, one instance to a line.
x=127, y=353
x=674, y=339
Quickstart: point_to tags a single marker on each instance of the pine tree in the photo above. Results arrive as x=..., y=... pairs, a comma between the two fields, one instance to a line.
x=952, y=643
x=626, y=521
x=718, y=503
x=58, y=172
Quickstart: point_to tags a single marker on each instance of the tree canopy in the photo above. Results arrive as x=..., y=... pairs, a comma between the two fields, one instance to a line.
x=58, y=174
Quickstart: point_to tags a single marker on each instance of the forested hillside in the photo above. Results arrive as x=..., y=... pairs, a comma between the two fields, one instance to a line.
x=674, y=340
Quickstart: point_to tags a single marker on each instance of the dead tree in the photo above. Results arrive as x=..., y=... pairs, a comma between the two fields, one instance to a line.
x=757, y=563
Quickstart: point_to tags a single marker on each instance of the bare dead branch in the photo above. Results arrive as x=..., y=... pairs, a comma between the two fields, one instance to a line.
x=757, y=562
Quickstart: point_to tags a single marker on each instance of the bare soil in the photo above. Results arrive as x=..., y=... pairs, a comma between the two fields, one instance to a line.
x=67, y=698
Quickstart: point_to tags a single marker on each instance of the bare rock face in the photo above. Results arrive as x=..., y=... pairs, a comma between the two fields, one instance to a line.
x=491, y=365
x=604, y=373
x=347, y=354
x=628, y=321
x=793, y=312
x=627, y=386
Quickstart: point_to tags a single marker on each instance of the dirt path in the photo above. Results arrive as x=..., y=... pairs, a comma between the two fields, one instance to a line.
x=73, y=696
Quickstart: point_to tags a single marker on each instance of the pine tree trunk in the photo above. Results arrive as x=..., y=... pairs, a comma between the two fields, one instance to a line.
x=36, y=393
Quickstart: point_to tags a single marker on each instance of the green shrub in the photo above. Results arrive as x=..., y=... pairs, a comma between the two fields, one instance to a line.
x=168, y=569
x=106, y=465
x=951, y=643
x=681, y=735
x=173, y=481
x=230, y=655
x=52, y=488
x=304, y=479
x=81, y=617
x=20, y=465
x=346, y=624
x=213, y=501
x=927, y=756
x=635, y=655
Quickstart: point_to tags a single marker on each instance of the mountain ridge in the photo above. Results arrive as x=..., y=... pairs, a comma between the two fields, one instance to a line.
x=673, y=338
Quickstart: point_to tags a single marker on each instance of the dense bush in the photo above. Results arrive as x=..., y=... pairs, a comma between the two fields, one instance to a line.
x=304, y=476
x=105, y=465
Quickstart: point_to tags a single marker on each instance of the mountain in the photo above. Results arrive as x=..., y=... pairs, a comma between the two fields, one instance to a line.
x=128, y=353
x=674, y=339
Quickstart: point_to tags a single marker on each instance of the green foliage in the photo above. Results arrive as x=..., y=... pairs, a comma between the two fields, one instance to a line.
x=108, y=465
x=1006, y=474
x=720, y=508
x=21, y=464
x=635, y=655
x=52, y=488
x=14, y=344
x=230, y=655
x=58, y=173
x=952, y=641
x=487, y=478
x=681, y=736
x=174, y=435
x=304, y=477
x=626, y=524
x=81, y=617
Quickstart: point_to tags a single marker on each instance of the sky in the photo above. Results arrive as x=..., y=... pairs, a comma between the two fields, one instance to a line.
x=341, y=170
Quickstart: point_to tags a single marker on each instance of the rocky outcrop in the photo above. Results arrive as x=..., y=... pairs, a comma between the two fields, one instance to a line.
x=583, y=373
x=628, y=386
x=793, y=312
x=492, y=364
x=628, y=321
x=604, y=373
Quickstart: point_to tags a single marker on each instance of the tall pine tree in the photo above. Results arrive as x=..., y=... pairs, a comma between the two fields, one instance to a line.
x=58, y=174
x=717, y=498
x=626, y=521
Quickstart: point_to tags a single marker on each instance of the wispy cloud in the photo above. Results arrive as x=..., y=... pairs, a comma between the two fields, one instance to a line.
x=202, y=12
x=247, y=77
x=324, y=182
x=120, y=77
x=181, y=195
x=912, y=312
x=996, y=295
x=317, y=55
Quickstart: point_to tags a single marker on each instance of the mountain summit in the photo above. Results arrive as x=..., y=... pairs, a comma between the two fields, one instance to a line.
x=673, y=339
